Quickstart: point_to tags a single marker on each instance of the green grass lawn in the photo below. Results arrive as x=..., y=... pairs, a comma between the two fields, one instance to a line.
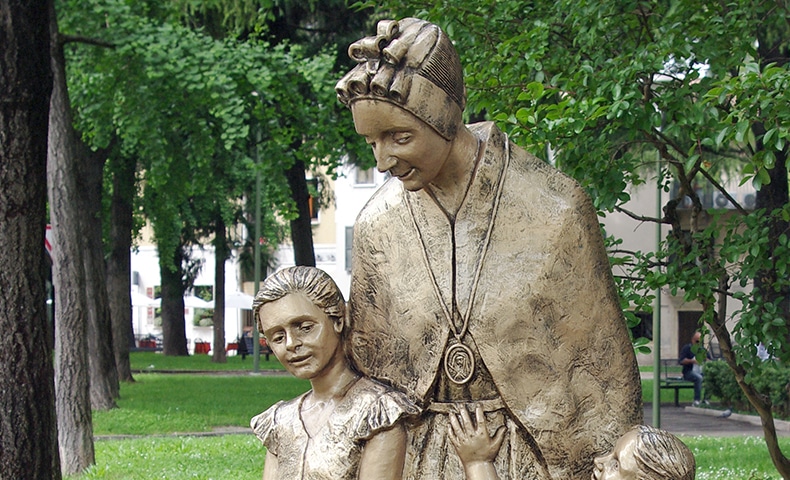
x=147, y=361
x=163, y=403
x=667, y=396
x=160, y=404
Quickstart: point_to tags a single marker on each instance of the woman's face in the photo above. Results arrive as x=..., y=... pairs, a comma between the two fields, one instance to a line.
x=301, y=335
x=620, y=463
x=403, y=145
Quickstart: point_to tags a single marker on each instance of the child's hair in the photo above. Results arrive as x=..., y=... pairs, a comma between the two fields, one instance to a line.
x=312, y=282
x=662, y=456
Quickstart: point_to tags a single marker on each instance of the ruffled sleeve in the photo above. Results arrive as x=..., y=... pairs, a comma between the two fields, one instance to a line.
x=384, y=411
x=263, y=426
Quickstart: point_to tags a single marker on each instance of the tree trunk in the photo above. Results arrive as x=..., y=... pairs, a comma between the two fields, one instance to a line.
x=27, y=390
x=771, y=197
x=72, y=398
x=174, y=337
x=301, y=227
x=220, y=255
x=104, y=386
x=119, y=264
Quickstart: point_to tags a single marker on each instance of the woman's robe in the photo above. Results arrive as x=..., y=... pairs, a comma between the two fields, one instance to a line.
x=527, y=251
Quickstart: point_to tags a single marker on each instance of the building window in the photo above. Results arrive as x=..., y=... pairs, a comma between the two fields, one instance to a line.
x=312, y=200
x=364, y=176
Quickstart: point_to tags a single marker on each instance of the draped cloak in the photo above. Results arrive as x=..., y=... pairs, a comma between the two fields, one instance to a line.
x=545, y=318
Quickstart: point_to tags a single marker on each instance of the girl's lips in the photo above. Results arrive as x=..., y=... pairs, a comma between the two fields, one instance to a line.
x=298, y=360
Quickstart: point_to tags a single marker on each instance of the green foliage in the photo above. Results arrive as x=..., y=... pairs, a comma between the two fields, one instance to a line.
x=769, y=379
x=614, y=87
x=689, y=95
x=201, y=109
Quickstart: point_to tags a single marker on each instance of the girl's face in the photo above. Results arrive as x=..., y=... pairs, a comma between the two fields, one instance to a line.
x=405, y=146
x=301, y=335
x=620, y=464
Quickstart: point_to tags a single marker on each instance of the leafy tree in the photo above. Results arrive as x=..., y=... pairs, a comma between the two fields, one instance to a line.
x=177, y=90
x=27, y=396
x=304, y=105
x=608, y=88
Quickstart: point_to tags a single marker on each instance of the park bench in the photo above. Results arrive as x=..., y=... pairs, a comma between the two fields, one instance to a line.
x=265, y=350
x=671, y=377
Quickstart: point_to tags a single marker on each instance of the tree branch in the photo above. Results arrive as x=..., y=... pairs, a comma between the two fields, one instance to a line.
x=640, y=217
x=64, y=39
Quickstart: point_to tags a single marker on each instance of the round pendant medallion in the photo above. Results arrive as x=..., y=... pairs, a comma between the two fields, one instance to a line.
x=459, y=363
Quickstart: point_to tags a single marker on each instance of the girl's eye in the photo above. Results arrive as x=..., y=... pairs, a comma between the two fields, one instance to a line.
x=278, y=338
x=306, y=327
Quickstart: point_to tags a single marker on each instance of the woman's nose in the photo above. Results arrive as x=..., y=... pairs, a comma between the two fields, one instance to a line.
x=385, y=162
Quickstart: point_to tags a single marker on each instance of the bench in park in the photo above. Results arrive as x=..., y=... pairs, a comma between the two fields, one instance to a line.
x=672, y=378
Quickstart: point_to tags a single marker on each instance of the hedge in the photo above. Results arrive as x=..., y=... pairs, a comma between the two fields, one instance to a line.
x=771, y=380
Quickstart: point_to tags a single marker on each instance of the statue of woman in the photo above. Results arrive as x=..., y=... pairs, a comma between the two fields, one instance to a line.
x=347, y=426
x=479, y=274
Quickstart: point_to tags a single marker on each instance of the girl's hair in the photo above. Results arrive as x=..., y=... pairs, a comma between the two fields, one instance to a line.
x=312, y=282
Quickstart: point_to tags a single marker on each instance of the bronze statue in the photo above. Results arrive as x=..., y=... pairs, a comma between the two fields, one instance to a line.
x=643, y=453
x=347, y=426
x=646, y=453
x=479, y=274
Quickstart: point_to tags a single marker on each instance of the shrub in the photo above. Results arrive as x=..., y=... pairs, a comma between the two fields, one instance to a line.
x=770, y=379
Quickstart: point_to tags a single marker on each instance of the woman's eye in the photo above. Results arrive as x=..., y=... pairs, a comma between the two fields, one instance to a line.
x=401, y=138
x=306, y=327
x=279, y=338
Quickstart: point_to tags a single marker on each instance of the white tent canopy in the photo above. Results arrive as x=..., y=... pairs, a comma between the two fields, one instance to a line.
x=140, y=300
x=239, y=300
x=191, y=301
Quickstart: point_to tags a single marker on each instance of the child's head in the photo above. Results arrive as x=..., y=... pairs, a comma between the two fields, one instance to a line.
x=302, y=313
x=312, y=282
x=646, y=453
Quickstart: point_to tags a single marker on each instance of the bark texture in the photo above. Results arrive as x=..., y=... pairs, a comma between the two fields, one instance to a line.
x=220, y=255
x=174, y=336
x=72, y=397
x=28, y=439
x=104, y=387
x=119, y=265
x=301, y=227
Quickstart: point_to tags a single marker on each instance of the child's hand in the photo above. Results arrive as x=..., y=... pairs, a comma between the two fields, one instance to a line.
x=471, y=441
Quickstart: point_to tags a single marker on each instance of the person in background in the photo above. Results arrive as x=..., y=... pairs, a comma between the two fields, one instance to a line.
x=692, y=370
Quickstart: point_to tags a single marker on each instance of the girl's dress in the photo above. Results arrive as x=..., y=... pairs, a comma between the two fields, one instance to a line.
x=334, y=453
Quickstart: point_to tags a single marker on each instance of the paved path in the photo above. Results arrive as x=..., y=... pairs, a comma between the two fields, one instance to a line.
x=679, y=421
x=702, y=421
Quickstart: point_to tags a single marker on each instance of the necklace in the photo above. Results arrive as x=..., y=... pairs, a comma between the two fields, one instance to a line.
x=459, y=362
